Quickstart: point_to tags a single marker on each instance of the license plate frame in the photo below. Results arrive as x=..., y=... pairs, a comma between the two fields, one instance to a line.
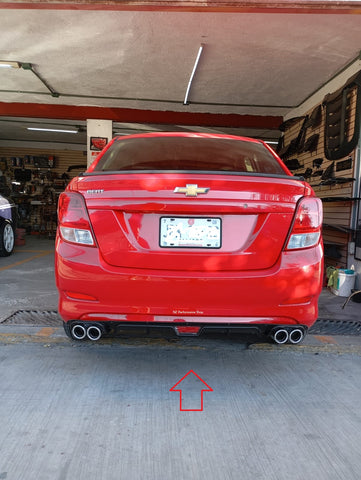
x=190, y=232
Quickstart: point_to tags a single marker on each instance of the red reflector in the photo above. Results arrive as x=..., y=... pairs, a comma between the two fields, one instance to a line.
x=81, y=296
x=187, y=330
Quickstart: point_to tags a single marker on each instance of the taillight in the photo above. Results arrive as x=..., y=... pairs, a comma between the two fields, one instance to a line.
x=306, y=229
x=74, y=224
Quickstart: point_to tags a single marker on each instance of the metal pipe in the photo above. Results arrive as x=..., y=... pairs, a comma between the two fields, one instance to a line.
x=296, y=336
x=280, y=335
x=78, y=332
x=94, y=333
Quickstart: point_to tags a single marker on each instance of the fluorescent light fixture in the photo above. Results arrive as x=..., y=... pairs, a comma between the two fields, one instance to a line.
x=271, y=142
x=29, y=66
x=192, y=74
x=52, y=130
x=5, y=64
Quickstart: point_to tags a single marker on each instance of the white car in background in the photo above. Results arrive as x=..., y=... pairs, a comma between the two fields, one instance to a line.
x=8, y=218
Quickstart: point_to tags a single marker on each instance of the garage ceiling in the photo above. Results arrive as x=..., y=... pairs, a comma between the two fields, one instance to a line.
x=132, y=63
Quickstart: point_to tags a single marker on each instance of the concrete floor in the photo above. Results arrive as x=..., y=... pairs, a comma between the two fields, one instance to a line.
x=104, y=410
x=27, y=278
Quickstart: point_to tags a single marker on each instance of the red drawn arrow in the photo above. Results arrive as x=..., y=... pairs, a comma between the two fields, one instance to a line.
x=175, y=389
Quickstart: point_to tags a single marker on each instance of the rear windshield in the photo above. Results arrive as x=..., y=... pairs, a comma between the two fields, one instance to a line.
x=188, y=153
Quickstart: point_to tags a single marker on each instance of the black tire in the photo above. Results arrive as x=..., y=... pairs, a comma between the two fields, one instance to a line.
x=67, y=330
x=7, y=239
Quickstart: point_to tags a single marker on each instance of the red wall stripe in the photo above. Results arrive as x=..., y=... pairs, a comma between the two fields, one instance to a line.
x=70, y=112
x=325, y=7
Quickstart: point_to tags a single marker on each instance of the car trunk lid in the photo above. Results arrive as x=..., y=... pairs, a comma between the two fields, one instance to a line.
x=193, y=222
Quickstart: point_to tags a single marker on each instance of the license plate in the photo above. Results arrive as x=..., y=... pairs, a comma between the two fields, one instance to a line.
x=190, y=232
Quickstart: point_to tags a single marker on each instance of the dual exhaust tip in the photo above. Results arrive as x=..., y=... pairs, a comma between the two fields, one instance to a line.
x=294, y=336
x=279, y=335
x=80, y=332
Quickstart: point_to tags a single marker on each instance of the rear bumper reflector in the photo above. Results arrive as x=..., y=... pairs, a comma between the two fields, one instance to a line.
x=187, y=331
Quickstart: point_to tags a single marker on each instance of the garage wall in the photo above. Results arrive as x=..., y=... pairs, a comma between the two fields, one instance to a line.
x=37, y=197
x=338, y=191
x=63, y=158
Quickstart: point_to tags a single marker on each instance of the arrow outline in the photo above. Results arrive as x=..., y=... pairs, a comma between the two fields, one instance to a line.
x=173, y=389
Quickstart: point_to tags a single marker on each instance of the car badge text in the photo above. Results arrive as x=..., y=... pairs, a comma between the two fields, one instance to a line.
x=94, y=191
x=191, y=190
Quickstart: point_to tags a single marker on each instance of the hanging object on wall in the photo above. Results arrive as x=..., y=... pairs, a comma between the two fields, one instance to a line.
x=307, y=173
x=314, y=120
x=344, y=165
x=311, y=143
x=296, y=144
x=317, y=162
x=328, y=177
x=98, y=143
x=342, y=123
x=329, y=172
x=287, y=124
x=293, y=164
x=22, y=175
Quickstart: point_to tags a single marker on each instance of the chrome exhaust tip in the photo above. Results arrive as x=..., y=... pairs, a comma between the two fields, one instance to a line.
x=280, y=336
x=78, y=332
x=94, y=333
x=296, y=336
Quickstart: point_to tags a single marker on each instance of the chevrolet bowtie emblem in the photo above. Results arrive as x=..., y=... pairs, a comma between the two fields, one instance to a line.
x=191, y=190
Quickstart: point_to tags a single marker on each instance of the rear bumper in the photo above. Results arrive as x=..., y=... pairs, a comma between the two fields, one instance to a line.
x=92, y=291
x=186, y=329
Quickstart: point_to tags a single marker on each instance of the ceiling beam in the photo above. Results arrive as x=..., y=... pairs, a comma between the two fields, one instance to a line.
x=69, y=112
x=250, y=6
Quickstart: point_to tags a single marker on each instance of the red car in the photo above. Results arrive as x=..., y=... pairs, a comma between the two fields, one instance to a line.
x=189, y=231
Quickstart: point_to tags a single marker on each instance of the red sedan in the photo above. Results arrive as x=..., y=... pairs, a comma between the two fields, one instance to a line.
x=189, y=231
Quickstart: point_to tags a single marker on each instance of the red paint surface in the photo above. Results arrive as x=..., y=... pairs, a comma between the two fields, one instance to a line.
x=251, y=279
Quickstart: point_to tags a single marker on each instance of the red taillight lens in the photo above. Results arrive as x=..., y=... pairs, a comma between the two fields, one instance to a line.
x=306, y=228
x=73, y=219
